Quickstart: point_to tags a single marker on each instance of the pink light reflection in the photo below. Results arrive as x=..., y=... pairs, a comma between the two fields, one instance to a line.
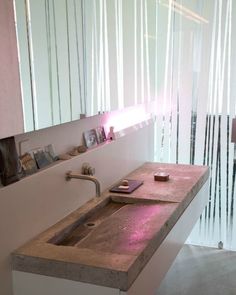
x=126, y=118
x=141, y=224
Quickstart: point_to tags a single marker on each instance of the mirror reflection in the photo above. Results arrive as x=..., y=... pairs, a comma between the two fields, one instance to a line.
x=51, y=59
x=87, y=56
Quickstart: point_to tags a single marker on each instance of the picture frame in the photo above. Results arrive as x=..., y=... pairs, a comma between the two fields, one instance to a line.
x=101, y=135
x=41, y=158
x=28, y=164
x=90, y=138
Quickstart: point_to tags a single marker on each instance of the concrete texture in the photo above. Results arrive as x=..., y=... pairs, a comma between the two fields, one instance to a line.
x=201, y=270
x=116, y=251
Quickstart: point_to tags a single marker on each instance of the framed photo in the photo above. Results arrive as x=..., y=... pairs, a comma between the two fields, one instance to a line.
x=41, y=159
x=90, y=138
x=101, y=136
x=28, y=164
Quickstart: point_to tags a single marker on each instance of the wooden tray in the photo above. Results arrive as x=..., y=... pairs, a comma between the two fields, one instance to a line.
x=133, y=185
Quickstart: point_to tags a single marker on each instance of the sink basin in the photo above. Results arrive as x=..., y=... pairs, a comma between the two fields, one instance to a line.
x=71, y=235
x=77, y=231
x=116, y=216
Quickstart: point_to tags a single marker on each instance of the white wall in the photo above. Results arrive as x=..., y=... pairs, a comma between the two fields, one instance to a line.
x=38, y=201
x=66, y=136
x=63, y=137
x=10, y=94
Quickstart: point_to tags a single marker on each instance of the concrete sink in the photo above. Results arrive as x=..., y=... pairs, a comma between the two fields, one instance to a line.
x=112, y=223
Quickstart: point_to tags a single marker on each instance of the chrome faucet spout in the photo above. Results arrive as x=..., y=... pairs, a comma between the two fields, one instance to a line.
x=70, y=175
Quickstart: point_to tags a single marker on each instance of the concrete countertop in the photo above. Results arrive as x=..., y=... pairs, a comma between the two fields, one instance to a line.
x=125, y=242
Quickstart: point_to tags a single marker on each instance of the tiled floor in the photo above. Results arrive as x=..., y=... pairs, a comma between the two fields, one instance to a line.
x=201, y=271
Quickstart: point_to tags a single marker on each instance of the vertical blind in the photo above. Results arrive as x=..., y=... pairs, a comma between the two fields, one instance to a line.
x=197, y=103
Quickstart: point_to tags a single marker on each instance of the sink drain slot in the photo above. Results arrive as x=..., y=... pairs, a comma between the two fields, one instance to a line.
x=90, y=224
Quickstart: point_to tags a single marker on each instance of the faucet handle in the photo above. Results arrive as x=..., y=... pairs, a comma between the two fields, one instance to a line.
x=87, y=169
x=68, y=173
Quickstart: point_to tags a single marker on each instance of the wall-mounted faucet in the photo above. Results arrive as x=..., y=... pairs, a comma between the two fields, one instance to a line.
x=87, y=169
x=76, y=175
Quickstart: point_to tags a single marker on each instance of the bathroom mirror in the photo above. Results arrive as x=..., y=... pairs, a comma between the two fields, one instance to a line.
x=84, y=57
x=50, y=46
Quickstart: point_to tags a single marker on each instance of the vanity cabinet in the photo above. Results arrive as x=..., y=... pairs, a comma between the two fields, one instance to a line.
x=148, y=279
x=11, y=113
